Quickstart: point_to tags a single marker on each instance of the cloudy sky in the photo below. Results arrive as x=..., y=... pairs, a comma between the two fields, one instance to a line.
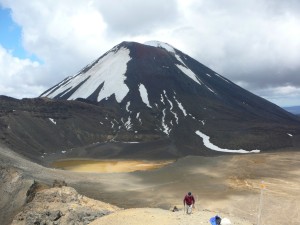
x=254, y=43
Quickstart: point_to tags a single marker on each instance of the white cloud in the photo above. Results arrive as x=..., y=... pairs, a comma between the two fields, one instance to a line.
x=17, y=75
x=133, y=17
x=65, y=35
x=285, y=90
x=283, y=95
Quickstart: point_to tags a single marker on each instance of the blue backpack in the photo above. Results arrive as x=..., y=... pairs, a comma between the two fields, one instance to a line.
x=216, y=220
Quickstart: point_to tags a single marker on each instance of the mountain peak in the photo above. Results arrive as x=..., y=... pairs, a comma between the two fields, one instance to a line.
x=160, y=44
x=158, y=91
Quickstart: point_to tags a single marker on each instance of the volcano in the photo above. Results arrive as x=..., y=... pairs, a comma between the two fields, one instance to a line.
x=143, y=100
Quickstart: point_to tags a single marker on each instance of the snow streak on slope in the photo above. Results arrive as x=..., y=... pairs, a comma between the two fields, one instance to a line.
x=144, y=95
x=110, y=70
x=180, y=60
x=162, y=99
x=180, y=106
x=128, y=124
x=210, y=90
x=138, y=117
x=211, y=146
x=171, y=104
x=189, y=73
x=166, y=129
x=52, y=120
x=127, y=107
x=58, y=85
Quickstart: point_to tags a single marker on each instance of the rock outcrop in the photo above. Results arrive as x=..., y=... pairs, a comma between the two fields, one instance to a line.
x=62, y=205
x=13, y=188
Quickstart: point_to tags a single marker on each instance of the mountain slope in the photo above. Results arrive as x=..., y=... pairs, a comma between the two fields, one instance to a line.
x=139, y=75
x=155, y=93
x=293, y=109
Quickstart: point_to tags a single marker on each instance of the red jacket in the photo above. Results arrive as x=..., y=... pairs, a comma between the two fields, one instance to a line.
x=189, y=200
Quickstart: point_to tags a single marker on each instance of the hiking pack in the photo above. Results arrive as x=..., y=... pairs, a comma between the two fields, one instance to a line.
x=216, y=220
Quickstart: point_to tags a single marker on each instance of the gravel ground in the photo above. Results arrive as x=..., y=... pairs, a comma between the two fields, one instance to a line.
x=150, y=216
x=229, y=185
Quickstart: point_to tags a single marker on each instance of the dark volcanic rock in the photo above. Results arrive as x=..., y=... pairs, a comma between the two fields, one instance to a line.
x=34, y=188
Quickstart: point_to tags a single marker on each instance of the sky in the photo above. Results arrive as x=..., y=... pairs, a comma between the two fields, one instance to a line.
x=254, y=43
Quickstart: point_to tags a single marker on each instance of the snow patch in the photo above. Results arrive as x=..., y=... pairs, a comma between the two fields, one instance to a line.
x=185, y=69
x=181, y=107
x=144, y=95
x=180, y=60
x=211, y=146
x=171, y=104
x=52, y=120
x=192, y=116
x=176, y=117
x=208, y=75
x=138, y=117
x=127, y=107
x=211, y=90
x=159, y=44
x=189, y=73
x=128, y=124
x=109, y=71
x=162, y=99
x=166, y=129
